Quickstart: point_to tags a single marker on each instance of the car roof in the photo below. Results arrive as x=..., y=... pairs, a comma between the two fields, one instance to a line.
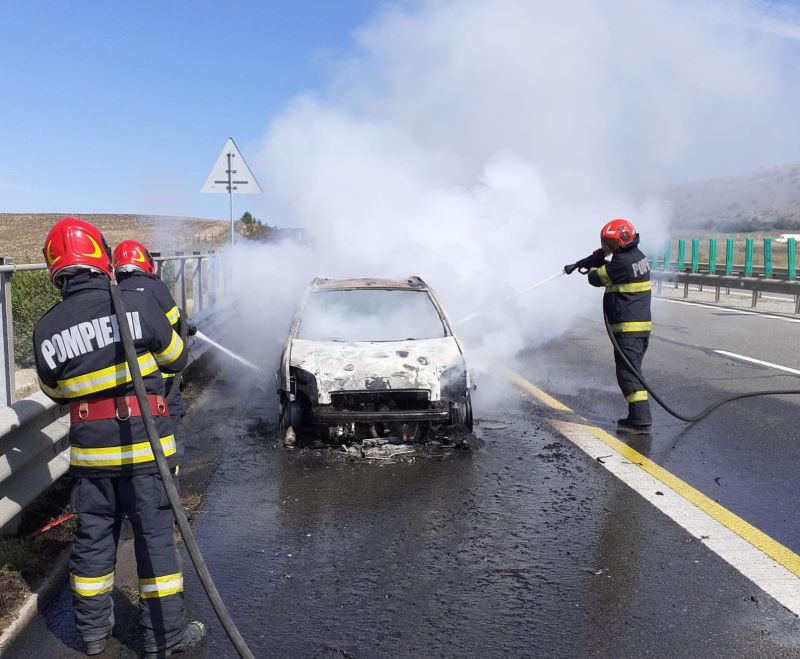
x=412, y=283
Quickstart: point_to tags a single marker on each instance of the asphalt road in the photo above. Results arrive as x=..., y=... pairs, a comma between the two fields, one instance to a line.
x=521, y=546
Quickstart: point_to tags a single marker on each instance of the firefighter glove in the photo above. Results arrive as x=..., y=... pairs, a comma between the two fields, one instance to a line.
x=594, y=260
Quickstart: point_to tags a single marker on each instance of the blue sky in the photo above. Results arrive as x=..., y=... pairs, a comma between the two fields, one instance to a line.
x=112, y=107
x=123, y=107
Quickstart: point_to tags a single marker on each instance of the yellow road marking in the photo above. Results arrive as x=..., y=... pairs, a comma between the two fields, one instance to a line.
x=772, y=548
x=537, y=393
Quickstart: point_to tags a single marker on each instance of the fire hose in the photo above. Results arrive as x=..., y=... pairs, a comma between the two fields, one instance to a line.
x=169, y=486
x=672, y=411
x=583, y=266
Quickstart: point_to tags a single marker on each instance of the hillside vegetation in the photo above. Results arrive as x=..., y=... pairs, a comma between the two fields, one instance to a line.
x=766, y=201
x=22, y=234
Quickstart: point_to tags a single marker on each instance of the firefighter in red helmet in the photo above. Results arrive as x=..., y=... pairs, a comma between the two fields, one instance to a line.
x=135, y=269
x=626, y=304
x=80, y=363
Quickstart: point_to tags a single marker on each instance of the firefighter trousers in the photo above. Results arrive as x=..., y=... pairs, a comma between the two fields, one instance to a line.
x=635, y=394
x=101, y=504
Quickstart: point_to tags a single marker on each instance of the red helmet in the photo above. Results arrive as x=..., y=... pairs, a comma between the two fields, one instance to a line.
x=132, y=253
x=75, y=243
x=619, y=230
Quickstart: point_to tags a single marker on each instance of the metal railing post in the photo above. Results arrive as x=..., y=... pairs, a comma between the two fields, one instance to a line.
x=159, y=264
x=180, y=284
x=681, y=255
x=695, y=254
x=197, y=283
x=712, y=256
x=768, y=257
x=729, y=245
x=7, y=367
x=680, y=264
x=748, y=257
x=696, y=257
x=791, y=259
x=212, y=278
x=667, y=256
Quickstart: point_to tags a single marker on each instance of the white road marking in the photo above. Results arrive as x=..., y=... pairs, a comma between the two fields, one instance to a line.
x=760, y=362
x=724, y=540
x=728, y=309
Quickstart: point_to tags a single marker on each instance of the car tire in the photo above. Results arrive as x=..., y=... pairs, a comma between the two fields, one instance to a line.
x=291, y=415
x=461, y=415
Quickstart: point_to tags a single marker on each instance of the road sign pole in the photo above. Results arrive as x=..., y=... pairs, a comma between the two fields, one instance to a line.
x=230, y=198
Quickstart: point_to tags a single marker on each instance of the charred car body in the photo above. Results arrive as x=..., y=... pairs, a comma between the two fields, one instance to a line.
x=373, y=358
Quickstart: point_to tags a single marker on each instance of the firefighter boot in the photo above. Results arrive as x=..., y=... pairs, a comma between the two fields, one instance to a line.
x=630, y=427
x=195, y=632
x=96, y=646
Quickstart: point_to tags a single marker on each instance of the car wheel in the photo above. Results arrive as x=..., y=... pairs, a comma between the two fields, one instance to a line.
x=461, y=415
x=291, y=414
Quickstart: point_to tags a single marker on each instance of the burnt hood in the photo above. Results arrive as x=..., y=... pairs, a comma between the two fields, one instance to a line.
x=372, y=366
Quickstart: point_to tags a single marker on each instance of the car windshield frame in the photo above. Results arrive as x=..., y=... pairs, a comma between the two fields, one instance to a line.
x=442, y=328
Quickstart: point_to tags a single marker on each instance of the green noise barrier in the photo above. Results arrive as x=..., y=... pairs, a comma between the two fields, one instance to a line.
x=768, y=257
x=712, y=255
x=748, y=257
x=729, y=244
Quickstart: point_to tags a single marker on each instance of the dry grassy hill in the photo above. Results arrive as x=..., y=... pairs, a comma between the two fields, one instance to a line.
x=767, y=200
x=22, y=234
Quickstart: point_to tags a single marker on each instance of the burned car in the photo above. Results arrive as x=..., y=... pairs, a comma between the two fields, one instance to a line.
x=372, y=358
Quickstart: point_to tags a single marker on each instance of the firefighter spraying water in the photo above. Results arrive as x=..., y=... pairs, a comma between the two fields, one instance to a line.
x=626, y=305
x=626, y=314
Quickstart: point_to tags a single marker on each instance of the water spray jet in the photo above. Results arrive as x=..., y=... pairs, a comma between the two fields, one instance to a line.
x=513, y=297
x=228, y=352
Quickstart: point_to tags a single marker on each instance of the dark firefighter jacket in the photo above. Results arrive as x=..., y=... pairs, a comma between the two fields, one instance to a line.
x=626, y=278
x=152, y=285
x=79, y=356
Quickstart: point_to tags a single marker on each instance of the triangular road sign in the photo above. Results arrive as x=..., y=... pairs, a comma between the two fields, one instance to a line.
x=231, y=174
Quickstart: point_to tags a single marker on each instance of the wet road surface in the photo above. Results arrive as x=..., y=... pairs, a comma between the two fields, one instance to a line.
x=746, y=454
x=522, y=546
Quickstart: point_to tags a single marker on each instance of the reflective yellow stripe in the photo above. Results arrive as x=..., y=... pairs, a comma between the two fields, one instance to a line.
x=603, y=274
x=161, y=586
x=116, y=456
x=632, y=327
x=172, y=351
x=105, y=378
x=165, y=376
x=89, y=586
x=635, y=287
x=636, y=397
x=173, y=315
x=53, y=393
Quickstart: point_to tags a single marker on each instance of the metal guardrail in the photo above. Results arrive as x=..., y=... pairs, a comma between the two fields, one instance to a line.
x=785, y=246
x=197, y=277
x=757, y=285
x=34, y=453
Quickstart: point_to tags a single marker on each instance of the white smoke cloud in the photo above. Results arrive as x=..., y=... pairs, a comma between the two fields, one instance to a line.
x=481, y=144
